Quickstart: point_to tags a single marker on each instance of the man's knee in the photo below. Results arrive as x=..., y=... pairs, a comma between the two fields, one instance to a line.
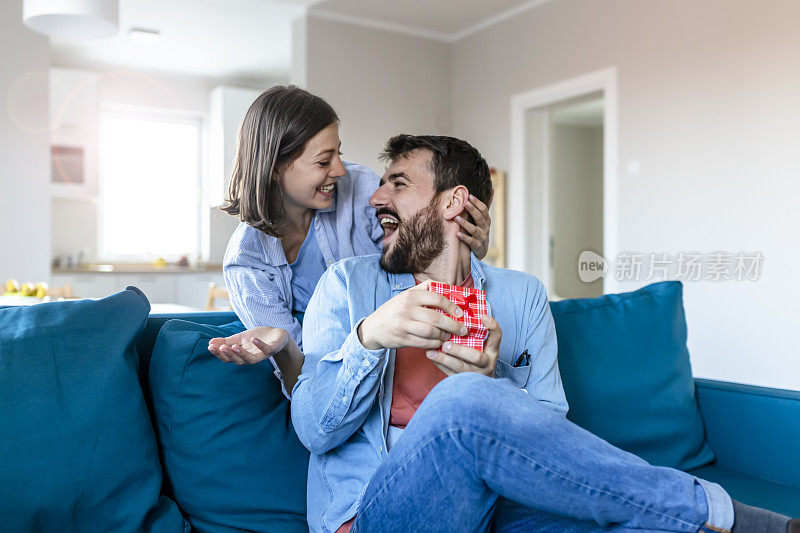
x=475, y=399
x=466, y=396
x=465, y=386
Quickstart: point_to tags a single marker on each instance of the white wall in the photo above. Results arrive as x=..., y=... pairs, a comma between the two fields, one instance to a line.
x=709, y=108
x=131, y=88
x=24, y=149
x=380, y=83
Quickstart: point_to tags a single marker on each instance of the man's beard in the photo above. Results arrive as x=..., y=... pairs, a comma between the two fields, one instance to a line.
x=418, y=242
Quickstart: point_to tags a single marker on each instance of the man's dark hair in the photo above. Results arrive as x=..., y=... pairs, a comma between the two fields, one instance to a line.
x=454, y=162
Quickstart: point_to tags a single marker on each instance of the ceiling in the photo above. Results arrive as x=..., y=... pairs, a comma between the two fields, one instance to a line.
x=231, y=40
x=249, y=41
x=446, y=20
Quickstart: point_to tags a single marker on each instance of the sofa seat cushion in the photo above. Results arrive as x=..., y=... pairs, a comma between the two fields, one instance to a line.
x=626, y=373
x=78, y=451
x=754, y=491
x=232, y=459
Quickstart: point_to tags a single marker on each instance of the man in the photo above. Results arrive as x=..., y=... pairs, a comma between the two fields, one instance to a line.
x=489, y=446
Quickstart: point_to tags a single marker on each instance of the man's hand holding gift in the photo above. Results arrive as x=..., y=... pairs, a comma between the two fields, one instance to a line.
x=413, y=319
x=457, y=336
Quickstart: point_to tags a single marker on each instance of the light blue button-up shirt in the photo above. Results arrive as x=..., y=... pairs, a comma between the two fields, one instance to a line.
x=341, y=402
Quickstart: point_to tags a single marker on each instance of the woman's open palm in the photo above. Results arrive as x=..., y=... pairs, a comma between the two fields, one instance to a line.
x=249, y=347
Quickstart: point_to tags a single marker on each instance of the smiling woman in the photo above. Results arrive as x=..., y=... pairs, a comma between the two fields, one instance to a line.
x=272, y=139
x=302, y=208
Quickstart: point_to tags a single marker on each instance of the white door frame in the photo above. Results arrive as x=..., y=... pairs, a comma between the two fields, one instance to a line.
x=528, y=202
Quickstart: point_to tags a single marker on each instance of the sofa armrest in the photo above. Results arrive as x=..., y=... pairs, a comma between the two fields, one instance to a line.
x=753, y=430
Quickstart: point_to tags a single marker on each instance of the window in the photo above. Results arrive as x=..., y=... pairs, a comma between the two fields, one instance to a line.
x=150, y=187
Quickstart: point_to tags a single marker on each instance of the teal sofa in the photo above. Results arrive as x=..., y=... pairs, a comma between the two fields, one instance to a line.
x=754, y=432
x=117, y=419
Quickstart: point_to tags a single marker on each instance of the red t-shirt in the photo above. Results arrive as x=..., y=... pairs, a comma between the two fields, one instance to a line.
x=414, y=377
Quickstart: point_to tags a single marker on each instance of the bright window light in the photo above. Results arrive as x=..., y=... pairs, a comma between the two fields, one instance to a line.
x=149, y=187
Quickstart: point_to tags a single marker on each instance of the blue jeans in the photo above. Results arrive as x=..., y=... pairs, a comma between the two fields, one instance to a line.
x=466, y=463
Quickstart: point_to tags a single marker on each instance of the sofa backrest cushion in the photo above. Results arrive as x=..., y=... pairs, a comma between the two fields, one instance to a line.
x=626, y=373
x=232, y=459
x=77, y=448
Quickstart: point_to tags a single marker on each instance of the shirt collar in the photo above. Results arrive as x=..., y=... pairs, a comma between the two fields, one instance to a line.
x=401, y=282
x=273, y=249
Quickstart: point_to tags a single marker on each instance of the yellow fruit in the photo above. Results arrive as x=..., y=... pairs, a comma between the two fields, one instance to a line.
x=27, y=290
x=12, y=285
x=41, y=289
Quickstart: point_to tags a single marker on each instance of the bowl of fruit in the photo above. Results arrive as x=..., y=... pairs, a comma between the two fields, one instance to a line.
x=32, y=290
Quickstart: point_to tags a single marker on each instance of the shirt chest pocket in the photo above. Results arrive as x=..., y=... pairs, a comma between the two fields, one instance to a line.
x=517, y=374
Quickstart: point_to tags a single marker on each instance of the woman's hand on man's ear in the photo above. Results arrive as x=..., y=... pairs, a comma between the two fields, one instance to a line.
x=476, y=235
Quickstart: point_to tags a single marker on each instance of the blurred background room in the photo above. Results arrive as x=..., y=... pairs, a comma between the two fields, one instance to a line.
x=631, y=142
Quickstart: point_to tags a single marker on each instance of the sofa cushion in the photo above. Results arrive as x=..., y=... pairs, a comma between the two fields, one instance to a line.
x=231, y=456
x=626, y=373
x=78, y=451
x=754, y=491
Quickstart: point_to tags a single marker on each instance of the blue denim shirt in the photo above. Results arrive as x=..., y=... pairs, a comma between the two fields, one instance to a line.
x=341, y=402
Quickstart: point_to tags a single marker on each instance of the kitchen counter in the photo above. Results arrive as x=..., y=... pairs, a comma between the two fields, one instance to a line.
x=136, y=269
x=180, y=285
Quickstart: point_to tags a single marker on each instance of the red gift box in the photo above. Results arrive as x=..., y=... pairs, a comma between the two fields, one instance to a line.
x=473, y=303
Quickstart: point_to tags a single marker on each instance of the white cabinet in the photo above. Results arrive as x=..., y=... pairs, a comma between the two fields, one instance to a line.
x=159, y=288
x=189, y=288
x=86, y=285
x=228, y=106
x=192, y=289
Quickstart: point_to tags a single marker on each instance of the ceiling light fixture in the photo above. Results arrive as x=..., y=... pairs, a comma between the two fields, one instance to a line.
x=72, y=19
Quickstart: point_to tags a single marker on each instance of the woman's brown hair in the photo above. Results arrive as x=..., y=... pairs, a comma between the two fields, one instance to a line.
x=274, y=133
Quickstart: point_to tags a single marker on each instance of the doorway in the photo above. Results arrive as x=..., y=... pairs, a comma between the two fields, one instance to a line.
x=575, y=176
x=562, y=182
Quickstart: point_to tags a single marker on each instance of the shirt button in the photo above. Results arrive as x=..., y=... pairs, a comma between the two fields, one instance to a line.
x=397, y=286
x=330, y=261
x=380, y=448
x=344, y=399
x=366, y=362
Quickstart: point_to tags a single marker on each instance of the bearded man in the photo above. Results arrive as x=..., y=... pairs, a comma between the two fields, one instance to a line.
x=409, y=431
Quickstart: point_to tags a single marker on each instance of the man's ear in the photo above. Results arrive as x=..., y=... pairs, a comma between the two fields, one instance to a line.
x=455, y=202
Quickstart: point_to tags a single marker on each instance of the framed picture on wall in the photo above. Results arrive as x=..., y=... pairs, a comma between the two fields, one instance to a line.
x=496, y=255
x=67, y=164
x=73, y=166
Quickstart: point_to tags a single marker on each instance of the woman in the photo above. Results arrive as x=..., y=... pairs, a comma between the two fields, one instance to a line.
x=302, y=208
